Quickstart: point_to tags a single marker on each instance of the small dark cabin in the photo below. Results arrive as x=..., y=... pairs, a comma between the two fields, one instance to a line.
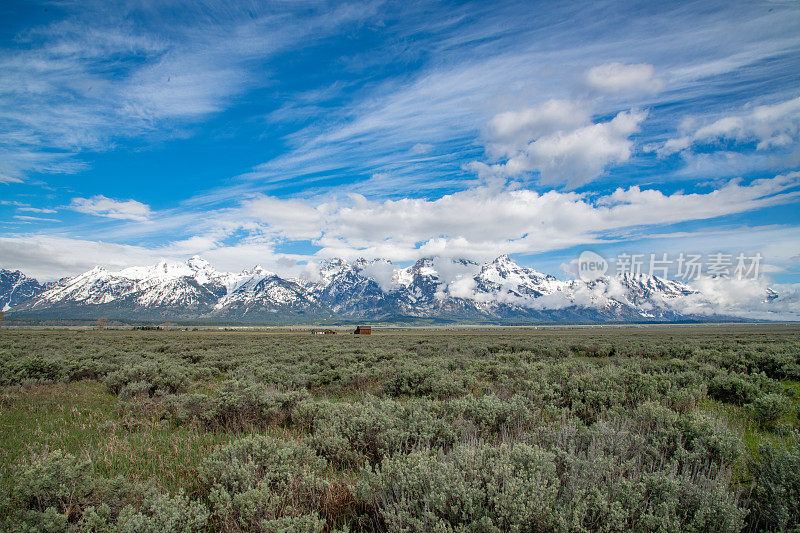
x=363, y=330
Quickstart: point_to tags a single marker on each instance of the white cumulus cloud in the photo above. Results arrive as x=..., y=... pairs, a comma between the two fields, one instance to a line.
x=559, y=141
x=479, y=224
x=769, y=126
x=484, y=222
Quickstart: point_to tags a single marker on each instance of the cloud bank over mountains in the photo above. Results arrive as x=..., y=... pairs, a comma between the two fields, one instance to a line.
x=478, y=224
x=432, y=289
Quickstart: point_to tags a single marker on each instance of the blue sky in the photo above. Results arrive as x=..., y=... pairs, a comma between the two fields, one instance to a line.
x=284, y=132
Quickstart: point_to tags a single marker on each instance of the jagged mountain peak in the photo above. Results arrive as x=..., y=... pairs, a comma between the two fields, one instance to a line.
x=198, y=263
x=16, y=287
x=258, y=270
x=163, y=269
x=430, y=288
x=332, y=262
x=433, y=261
x=424, y=267
x=651, y=282
x=504, y=267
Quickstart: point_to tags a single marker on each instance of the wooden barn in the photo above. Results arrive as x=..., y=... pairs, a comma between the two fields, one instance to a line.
x=363, y=330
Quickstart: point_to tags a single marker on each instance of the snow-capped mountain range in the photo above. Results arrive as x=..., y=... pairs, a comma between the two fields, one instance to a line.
x=16, y=287
x=432, y=289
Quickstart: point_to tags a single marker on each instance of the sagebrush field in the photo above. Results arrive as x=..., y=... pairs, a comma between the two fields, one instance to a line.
x=559, y=429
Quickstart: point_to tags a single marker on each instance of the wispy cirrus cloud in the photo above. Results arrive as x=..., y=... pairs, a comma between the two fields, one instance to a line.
x=158, y=77
x=539, y=105
x=506, y=67
x=9, y=179
x=109, y=208
x=35, y=209
x=28, y=218
x=96, y=78
x=617, y=77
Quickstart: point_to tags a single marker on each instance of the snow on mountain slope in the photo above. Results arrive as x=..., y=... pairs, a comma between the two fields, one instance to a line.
x=265, y=295
x=189, y=288
x=353, y=289
x=505, y=280
x=164, y=284
x=637, y=289
x=431, y=288
x=16, y=287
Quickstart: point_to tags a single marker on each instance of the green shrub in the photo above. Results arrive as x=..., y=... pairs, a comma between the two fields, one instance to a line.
x=30, y=369
x=307, y=523
x=708, y=439
x=159, y=513
x=770, y=408
x=148, y=375
x=492, y=415
x=350, y=434
x=785, y=365
x=731, y=388
x=417, y=380
x=52, y=483
x=776, y=490
x=582, y=481
x=472, y=488
x=240, y=404
x=256, y=481
x=55, y=491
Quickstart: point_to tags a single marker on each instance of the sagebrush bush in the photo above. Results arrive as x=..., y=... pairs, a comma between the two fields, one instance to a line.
x=31, y=369
x=776, y=490
x=419, y=380
x=258, y=482
x=770, y=408
x=473, y=487
x=240, y=404
x=732, y=388
x=641, y=473
x=348, y=434
x=55, y=491
x=520, y=487
x=776, y=365
x=148, y=375
x=553, y=429
x=51, y=489
x=159, y=512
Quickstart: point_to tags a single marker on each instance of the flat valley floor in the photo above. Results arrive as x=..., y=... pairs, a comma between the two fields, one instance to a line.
x=645, y=428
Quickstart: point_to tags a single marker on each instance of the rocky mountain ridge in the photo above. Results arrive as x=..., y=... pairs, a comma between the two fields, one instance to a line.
x=432, y=289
